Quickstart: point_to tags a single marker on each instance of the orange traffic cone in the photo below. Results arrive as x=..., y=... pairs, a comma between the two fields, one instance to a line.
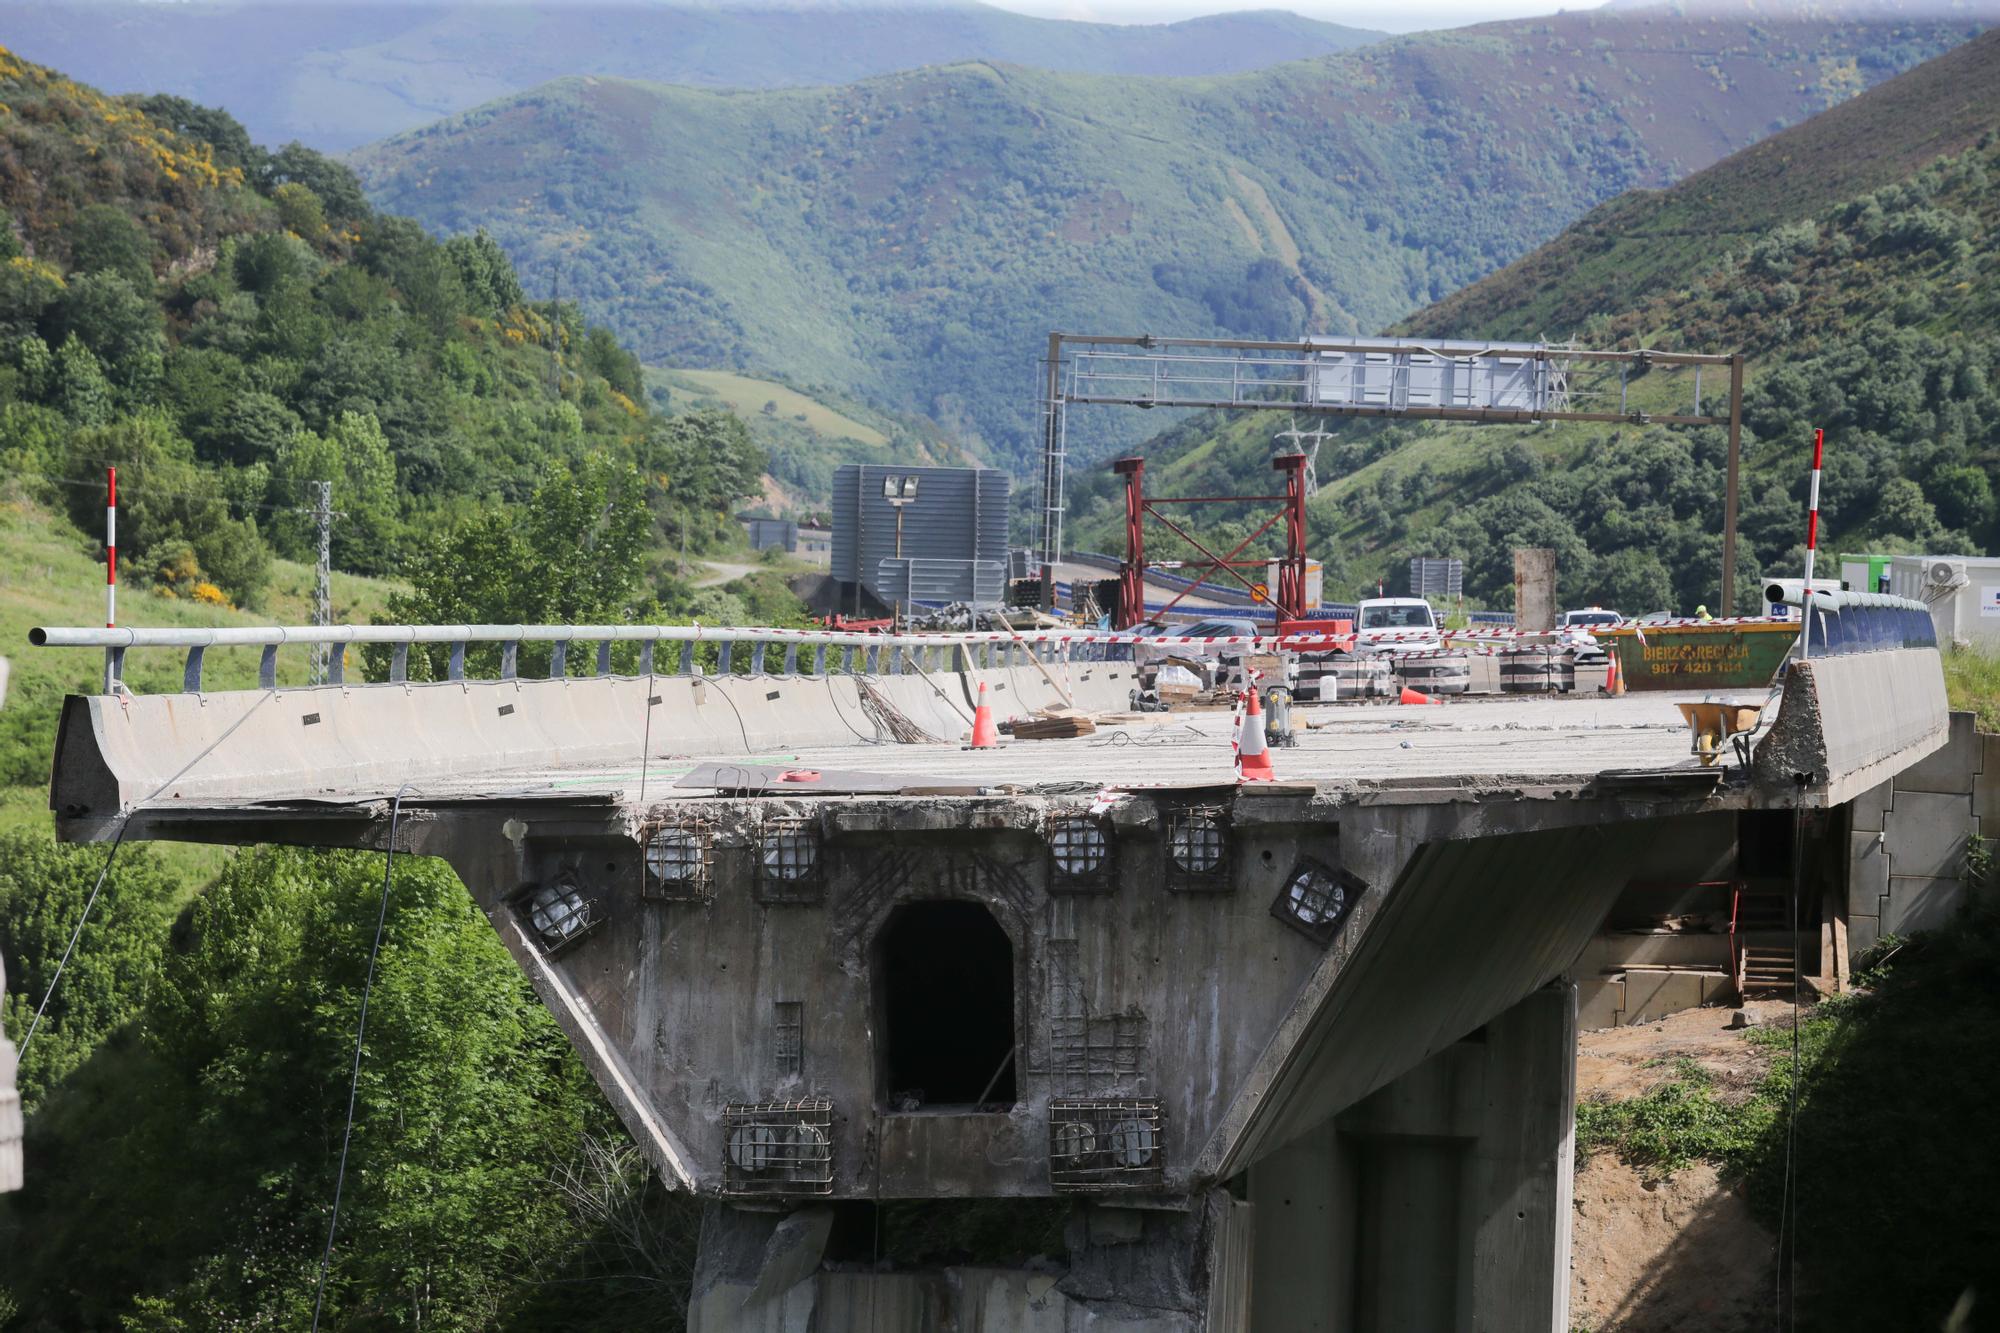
x=1410, y=696
x=1613, y=683
x=984, y=736
x=1253, y=760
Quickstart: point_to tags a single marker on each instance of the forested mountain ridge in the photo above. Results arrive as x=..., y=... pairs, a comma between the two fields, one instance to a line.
x=339, y=75
x=228, y=324
x=1644, y=240
x=912, y=239
x=1875, y=315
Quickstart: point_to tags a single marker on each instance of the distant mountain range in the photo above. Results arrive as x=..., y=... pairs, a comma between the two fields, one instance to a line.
x=1855, y=259
x=337, y=75
x=910, y=240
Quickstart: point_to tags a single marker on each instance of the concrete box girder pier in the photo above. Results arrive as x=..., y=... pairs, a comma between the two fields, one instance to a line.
x=1299, y=1055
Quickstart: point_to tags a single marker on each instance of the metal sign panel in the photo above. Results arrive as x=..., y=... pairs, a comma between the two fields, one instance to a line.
x=1436, y=578
x=1395, y=374
x=954, y=515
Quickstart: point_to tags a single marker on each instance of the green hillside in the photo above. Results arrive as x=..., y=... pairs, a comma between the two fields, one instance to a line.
x=1876, y=317
x=229, y=325
x=912, y=239
x=339, y=75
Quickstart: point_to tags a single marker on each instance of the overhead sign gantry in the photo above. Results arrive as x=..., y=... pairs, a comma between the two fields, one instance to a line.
x=1409, y=378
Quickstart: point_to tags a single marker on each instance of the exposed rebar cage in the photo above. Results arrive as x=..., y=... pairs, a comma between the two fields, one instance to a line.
x=790, y=865
x=1080, y=854
x=1419, y=379
x=1316, y=899
x=780, y=1149
x=1105, y=1144
x=1197, y=850
x=559, y=914
x=678, y=858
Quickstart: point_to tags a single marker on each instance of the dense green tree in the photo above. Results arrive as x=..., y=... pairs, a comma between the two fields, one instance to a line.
x=174, y=524
x=486, y=275
x=574, y=554
x=29, y=289
x=355, y=458
x=334, y=183
x=205, y=124
x=221, y=1139
x=43, y=888
x=120, y=325
x=105, y=239
x=697, y=467
x=78, y=386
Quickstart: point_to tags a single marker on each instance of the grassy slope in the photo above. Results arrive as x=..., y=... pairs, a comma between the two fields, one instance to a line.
x=339, y=75
x=746, y=395
x=1923, y=116
x=912, y=239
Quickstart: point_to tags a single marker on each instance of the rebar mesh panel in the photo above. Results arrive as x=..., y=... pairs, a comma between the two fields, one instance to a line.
x=1316, y=899
x=1105, y=1144
x=788, y=860
x=778, y=1148
x=677, y=863
x=1198, y=850
x=1079, y=855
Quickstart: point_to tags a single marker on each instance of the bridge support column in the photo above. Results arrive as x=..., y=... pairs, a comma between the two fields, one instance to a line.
x=1441, y=1201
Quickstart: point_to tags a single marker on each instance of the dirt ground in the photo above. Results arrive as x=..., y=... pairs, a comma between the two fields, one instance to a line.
x=1682, y=1254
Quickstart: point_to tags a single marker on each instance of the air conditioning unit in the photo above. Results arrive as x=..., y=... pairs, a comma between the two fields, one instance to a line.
x=1943, y=575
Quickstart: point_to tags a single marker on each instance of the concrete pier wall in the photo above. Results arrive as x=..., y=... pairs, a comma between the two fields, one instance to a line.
x=1440, y=1202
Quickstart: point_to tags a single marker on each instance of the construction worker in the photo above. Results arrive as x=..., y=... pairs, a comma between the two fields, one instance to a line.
x=1701, y=614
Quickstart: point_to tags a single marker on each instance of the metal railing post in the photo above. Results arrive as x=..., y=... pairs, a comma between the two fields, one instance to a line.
x=559, y=659
x=191, y=673
x=399, y=664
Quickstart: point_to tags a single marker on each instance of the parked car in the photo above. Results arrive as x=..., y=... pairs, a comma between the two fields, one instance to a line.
x=1397, y=625
x=1574, y=627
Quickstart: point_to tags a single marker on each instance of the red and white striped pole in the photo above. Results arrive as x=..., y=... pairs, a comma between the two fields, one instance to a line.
x=1812, y=545
x=110, y=548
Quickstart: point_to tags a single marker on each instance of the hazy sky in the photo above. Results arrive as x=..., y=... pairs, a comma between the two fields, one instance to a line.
x=1405, y=16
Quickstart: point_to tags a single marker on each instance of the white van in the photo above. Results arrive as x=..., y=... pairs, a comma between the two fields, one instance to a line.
x=1396, y=625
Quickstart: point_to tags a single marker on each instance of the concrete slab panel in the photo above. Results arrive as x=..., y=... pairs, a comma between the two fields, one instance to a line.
x=1986, y=786
x=1867, y=874
x=1920, y=903
x=1862, y=933
x=1871, y=806
x=1927, y=833
x=1651, y=995
x=1598, y=1000
x=1950, y=769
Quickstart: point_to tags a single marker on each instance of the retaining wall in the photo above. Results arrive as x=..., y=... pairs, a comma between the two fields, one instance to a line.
x=1909, y=837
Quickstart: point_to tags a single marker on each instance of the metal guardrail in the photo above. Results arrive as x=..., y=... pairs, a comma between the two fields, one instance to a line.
x=857, y=653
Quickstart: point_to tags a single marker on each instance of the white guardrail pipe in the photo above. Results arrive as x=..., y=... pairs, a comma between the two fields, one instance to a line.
x=1045, y=643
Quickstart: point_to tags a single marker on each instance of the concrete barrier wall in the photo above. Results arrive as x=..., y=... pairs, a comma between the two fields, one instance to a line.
x=243, y=745
x=114, y=751
x=1854, y=720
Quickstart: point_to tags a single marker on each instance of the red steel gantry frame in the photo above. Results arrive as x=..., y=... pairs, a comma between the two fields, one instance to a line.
x=1287, y=599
